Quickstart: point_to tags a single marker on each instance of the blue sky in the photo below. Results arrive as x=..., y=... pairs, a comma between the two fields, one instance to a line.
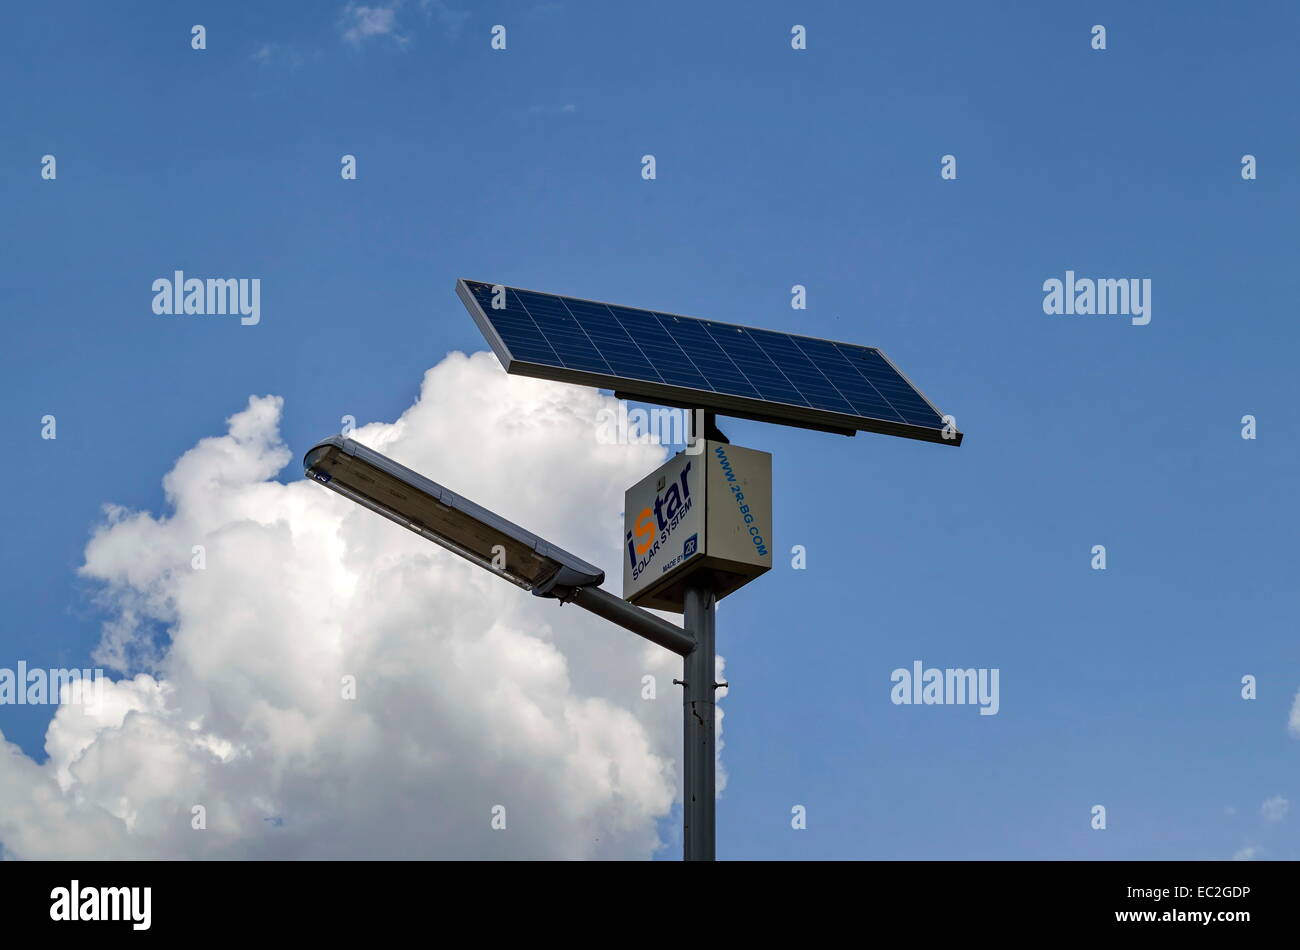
x=774, y=167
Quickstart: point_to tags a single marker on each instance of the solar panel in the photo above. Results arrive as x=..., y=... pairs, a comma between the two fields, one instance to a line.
x=688, y=362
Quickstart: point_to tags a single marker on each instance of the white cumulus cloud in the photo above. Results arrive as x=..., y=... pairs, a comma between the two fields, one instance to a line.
x=470, y=694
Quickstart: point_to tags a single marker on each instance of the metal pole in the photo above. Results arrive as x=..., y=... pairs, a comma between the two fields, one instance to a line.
x=698, y=790
x=698, y=668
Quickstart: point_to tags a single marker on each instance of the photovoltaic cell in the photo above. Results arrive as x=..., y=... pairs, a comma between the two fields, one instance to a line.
x=685, y=361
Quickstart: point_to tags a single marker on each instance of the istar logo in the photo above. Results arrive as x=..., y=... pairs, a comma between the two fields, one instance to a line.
x=654, y=524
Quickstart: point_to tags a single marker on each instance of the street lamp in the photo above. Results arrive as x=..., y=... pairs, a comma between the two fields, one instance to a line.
x=696, y=529
x=376, y=482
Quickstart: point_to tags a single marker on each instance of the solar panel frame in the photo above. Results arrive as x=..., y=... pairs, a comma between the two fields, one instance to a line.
x=590, y=365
